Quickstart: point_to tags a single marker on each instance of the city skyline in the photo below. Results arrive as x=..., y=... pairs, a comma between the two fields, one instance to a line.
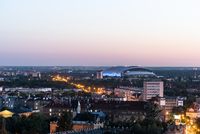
x=100, y=33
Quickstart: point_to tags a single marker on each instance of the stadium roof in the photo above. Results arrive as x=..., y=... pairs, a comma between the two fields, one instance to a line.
x=118, y=70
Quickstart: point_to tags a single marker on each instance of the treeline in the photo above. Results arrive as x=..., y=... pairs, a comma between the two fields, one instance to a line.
x=35, y=124
x=36, y=84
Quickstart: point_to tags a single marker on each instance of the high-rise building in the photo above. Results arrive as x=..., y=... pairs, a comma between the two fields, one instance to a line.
x=99, y=75
x=195, y=72
x=153, y=89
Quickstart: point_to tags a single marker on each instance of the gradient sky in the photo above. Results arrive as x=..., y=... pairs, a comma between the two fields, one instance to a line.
x=100, y=32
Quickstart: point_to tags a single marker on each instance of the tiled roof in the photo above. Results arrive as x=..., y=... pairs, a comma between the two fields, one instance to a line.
x=119, y=106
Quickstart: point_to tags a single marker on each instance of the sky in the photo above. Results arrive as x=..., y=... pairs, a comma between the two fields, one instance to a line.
x=100, y=32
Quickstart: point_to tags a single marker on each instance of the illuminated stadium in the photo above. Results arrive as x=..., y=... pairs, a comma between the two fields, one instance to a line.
x=131, y=71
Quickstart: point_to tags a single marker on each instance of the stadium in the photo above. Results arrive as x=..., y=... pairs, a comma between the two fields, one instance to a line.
x=131, y=71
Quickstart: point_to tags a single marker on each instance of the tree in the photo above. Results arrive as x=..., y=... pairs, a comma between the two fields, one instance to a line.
x=137, y=129
x=2, y=126
x=65, y=122
x=152, y=123
x=152, y=112
x=34, y=124
x=154, y=129
x=13, y=124
x=39, y=124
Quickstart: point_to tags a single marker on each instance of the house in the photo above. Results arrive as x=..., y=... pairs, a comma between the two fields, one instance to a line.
x=88, y=120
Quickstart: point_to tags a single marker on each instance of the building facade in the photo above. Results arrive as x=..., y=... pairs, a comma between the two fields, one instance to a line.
x=153, y=89
x=99, y=74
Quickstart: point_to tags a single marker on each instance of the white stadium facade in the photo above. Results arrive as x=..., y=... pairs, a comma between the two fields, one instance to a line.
x=131, y=71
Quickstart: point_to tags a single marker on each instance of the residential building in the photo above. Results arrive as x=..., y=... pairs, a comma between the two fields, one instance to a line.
x=153, y=89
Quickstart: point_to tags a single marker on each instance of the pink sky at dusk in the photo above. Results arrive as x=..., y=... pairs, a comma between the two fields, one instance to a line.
x=92, y=32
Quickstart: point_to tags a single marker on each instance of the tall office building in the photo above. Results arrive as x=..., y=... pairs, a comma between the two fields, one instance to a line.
x=99, y=75
x=153, y=89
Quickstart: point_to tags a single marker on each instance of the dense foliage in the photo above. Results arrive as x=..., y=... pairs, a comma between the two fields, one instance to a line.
x=34, y=124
